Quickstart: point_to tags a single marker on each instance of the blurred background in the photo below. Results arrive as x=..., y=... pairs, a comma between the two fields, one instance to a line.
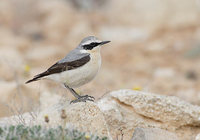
x=155, y=47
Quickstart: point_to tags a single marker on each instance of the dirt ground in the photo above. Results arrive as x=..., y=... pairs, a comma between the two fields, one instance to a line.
x=155, y=47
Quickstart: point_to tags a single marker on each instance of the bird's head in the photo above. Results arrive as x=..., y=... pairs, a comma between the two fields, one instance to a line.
x=91, y=44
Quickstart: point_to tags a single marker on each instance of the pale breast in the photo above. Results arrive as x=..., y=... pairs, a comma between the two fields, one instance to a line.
x=80, y=76
x=84, y=74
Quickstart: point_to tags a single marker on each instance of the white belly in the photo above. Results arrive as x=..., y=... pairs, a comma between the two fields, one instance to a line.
x=79, y=76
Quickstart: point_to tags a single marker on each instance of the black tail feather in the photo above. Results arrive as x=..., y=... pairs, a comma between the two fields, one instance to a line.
x=37, y=77
x=32, y=80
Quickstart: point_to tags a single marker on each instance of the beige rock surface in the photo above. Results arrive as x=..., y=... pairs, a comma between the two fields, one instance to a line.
x=166, y=109
x=125, y=110
x=87, y=114
x=86, y=117
x=153, y=134
x=116, y=114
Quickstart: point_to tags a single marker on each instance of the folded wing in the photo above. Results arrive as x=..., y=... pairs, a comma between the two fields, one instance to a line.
x=63, y=65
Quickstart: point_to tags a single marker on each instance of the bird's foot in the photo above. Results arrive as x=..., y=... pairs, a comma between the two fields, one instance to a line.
x=83, y=99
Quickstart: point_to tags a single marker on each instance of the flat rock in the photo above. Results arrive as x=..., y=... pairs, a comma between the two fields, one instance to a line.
x=124, y=110
x=168, y=109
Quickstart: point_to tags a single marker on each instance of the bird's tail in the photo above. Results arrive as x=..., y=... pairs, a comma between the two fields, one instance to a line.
x=37, y=77
x=32, y=80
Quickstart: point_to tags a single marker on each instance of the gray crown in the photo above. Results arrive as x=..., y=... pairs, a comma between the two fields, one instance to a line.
x=88, y=40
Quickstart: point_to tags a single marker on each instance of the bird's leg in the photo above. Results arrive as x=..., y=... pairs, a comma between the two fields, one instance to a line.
x=80, y=98
x=72, y=91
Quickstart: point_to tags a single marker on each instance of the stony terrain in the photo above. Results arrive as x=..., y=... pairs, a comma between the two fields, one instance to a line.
x=122, y=114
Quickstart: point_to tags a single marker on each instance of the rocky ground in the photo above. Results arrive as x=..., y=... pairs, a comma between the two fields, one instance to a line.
x=123, y=114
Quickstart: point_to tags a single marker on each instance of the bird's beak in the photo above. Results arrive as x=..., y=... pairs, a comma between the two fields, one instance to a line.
x=104, y=42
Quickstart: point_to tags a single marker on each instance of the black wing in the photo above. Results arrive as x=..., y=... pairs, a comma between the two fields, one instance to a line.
x=62, y=66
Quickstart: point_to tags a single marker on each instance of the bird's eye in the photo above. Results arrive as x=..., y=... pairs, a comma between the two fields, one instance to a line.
x=91, y=45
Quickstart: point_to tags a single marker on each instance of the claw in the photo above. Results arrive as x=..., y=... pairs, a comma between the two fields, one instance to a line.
x=90, y=97
x=83, y=99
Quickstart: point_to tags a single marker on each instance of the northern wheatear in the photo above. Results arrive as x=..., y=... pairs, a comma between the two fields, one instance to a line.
x=77, y=68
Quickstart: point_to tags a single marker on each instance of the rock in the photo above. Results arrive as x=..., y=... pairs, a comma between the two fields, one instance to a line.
x=118, y=114
x=125, y=110
x=87, y=114
x=167, y=109
x=85, y=117
x=153, y=134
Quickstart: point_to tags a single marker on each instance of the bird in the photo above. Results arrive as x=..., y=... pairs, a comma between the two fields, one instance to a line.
x=77, y=68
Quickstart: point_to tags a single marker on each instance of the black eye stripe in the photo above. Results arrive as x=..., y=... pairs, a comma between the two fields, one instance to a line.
x=91, y=45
